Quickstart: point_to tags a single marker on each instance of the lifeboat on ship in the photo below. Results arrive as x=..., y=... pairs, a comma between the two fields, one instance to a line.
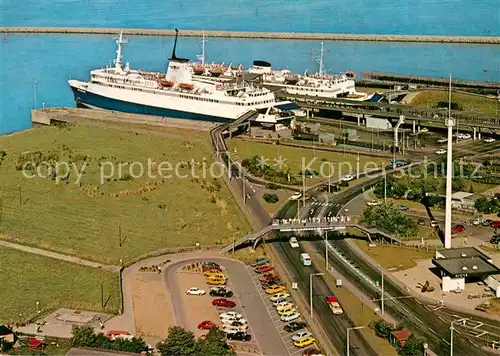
x=186, y=86
x=217, y=71
x=291, y=79
x=198, y=70
x=166, y=83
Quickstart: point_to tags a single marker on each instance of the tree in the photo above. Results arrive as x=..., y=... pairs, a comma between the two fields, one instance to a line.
x=85, y=337
x=178, y=342
x=270, y=198
x=413, y=347
x=390, y=220
x=483, y=205
x=214, y=344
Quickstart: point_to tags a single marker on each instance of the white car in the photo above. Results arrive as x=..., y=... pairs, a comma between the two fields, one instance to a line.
x=464, y=136
x=283, y=305
x=424, y=129
x=489, y=140
x=281, y=300
x=289, y=316
x=373, y=202
x=442, y=140
x=347, y=178
x=293, y=242
x=230, y=320
x=227, y=315
x=441, y=151
x=301, y=334
x=295, y=196
x=195, y=291
x=238, y=325
x=230, y=329
x=278, y=296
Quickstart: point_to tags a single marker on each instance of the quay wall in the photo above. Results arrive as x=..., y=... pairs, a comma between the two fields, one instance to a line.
x=259, y=35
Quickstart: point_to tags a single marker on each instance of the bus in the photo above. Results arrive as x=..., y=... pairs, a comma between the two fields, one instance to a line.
x=305, y=259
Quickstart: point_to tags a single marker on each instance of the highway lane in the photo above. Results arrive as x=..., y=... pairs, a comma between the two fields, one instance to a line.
x=252, y=201
x=335, y=325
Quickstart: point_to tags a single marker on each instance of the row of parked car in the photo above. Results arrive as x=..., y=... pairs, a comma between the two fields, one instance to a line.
x=280, y=298
x=232, y=323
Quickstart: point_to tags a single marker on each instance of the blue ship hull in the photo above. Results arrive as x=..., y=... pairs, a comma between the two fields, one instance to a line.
x=87, y=99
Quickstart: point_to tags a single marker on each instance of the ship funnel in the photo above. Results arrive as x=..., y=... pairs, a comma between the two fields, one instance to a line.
x=175, y=45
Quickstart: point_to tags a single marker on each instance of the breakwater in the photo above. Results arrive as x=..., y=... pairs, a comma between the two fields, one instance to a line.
x=260, y=35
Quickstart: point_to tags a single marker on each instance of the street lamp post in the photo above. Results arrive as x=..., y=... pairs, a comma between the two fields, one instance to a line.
x=353, y=328
x=35, y=82
x=326, y=249
x=311, y=290
x=463, y=320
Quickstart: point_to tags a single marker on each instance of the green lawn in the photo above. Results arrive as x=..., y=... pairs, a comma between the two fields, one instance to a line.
x=28, y=278
x=296, y=159
x=468, y=102
x=86, y=219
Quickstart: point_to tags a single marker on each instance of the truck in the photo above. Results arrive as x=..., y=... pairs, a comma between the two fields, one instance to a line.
x=334, y=305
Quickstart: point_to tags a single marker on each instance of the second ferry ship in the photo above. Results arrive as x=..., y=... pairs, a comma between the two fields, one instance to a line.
x=174, y=94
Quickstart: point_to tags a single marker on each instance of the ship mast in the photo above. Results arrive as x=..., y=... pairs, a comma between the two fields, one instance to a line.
x=319, y=59
x=119, y=41
x=201, y=57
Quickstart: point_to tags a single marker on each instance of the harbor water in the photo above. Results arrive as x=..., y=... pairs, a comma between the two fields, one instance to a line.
x=35, y=68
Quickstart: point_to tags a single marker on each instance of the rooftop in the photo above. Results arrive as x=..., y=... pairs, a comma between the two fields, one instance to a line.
x=460, y=195
x=401, y=335
x=462, y=252
x=466, y=267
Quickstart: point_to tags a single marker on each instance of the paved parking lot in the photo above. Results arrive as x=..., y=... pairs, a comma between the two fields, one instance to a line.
x=286, y=337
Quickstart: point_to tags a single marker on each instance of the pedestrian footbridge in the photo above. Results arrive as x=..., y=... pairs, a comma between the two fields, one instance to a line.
x=290, y=225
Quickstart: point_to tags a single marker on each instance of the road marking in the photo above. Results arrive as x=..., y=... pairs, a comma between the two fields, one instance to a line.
x=445, y=341
x=432, y=331
x=442, y=319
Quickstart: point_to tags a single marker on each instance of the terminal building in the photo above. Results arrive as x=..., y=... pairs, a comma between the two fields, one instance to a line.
x=458, y=266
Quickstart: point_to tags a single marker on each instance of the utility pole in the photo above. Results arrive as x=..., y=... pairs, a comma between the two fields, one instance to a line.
x=382, y=301
x=303, y=189
x=330, y=178
x=348, y=329
x=244, y=194
x=326, y=249
x=357, y=166
x=385, y=188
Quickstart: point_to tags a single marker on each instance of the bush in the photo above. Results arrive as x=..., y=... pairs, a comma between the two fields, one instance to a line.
x=85, y=337
x=390, y=220
x=272, y=186
x=270, y=198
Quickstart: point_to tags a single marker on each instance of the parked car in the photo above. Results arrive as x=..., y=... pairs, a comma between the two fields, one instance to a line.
x=434, y=223
x=287, y=309
x=269, y=276
x=277, y=296
x=210, y=265
x=290, y=316
x=238, y=324
x=301, y=334
x=275, y=289
x=347, y=178
x=294, y=326
x=282, y=305
x=223, y=302
x=263, y=268
x=487, y=222
x=441, y=151
x=212, y=272
x=230, y=315
x=401, y=207
x=230, y=329
x=293, y=242
x=442, y=140
x=239, y=336
x=195, y=291
x=281, y=300
x=216, y=281
x=458, y=229
x=207, y=324
x=304, y=342
x=373, y=202
x=260, y=261
x=495, y=239
x=489, y=140
x=296, y=196
x=421, y=221
x=495, y=224
x=312, y=351
x=477, y=221
x=220, y=292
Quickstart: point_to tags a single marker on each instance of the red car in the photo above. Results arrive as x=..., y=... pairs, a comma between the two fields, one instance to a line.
x=458, y=228
x=223, y=302
x=495, y=224
x=268, y=277
x=207, y=324
x=262, y=269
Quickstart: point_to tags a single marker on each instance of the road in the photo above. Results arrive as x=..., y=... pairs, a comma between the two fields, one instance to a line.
x=253, y=307
x=335, y=325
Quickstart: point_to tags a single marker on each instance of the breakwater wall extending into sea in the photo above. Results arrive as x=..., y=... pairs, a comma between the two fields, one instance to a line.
x=259, y=35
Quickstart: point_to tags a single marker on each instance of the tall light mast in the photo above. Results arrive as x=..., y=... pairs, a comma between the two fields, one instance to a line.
x=201, y=57
x=118, y=61
x=449, y=174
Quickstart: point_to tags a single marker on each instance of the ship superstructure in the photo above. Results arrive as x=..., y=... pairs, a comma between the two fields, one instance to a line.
x=175, y=94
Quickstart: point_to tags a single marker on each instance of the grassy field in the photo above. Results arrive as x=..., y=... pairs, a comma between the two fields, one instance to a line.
x=468, y=102
x=126, y=216
x=28, y=278
x=393, y=256
x=294, y=157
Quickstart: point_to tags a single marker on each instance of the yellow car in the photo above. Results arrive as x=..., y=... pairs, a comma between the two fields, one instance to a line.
x=287, y=309
x=212, y=272
x=275, y=289
x=306, y=341
x=216, y=281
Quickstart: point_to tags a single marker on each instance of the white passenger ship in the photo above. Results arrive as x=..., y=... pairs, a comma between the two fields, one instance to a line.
x=318, y=84
x=173, y=94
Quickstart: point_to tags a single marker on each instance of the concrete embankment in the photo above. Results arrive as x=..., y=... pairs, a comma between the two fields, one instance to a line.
x=260, y=35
